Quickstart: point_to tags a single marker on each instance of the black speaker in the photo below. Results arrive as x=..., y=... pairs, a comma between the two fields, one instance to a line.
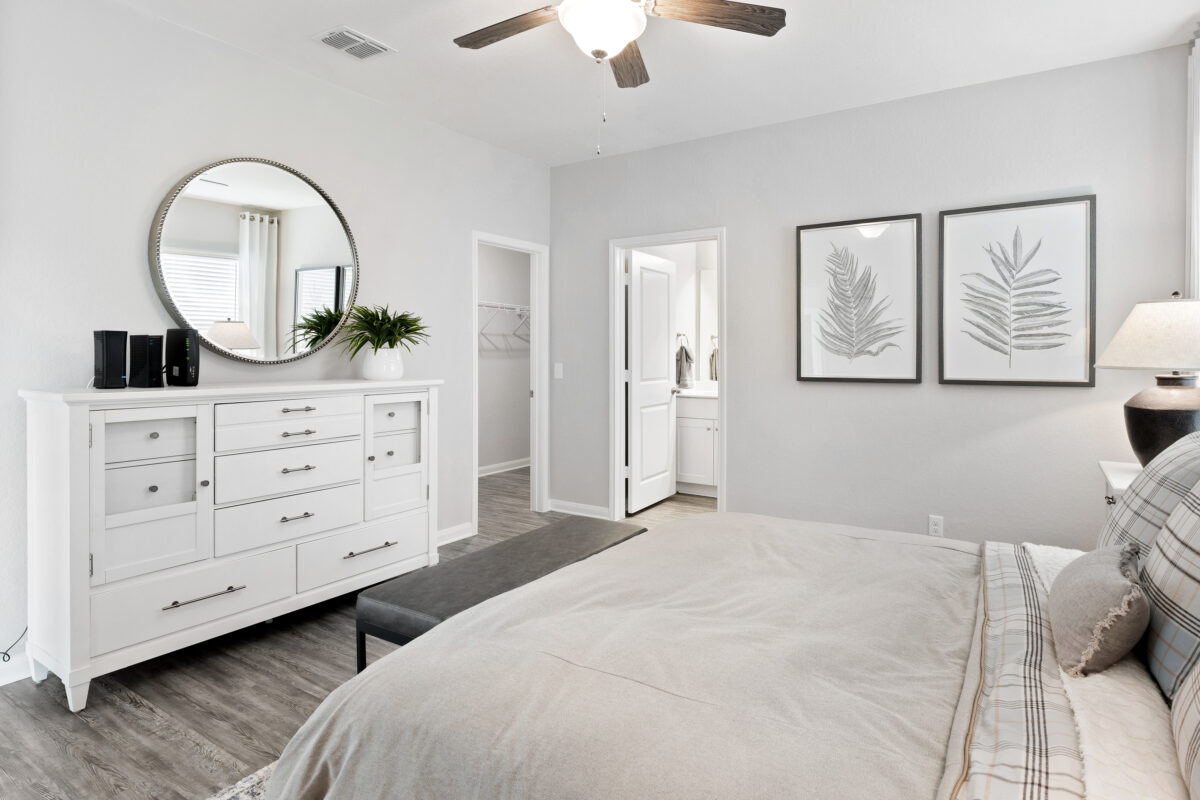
x=145, y=361
x=182, y=353
x=110, y=359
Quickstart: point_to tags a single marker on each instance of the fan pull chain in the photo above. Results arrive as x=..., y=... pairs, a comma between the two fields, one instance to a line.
x=603, y=106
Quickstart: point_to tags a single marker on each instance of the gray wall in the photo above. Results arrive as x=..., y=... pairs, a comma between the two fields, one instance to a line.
x=92, y=140
x=503, y=366
x=999, y=462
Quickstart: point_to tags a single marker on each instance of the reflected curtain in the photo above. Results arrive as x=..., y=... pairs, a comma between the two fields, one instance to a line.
x=258, y=265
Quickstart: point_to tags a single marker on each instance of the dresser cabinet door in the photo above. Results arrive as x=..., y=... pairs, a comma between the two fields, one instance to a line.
x=151, y=490
x=396, y=478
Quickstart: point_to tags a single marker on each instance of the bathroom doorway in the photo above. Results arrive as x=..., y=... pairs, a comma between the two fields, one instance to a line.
x=667, y=364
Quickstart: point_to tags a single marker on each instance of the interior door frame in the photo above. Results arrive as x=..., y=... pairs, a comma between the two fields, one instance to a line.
x=539, y=367
x=617, y=251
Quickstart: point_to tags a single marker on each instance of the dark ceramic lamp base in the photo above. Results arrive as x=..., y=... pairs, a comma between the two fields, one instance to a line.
x=1161, y=415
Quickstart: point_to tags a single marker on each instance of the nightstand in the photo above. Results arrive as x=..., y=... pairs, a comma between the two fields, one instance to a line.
x=1117, y=477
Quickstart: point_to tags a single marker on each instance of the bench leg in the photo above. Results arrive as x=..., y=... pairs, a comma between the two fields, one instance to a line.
x=362, y=649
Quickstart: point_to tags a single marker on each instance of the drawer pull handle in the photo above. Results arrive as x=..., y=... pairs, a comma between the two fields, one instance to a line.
x=305, y=468
x=305, y=432
x=305, y=515
x=391, y=452
x=391, y=413
x=306, y=408
x=352, y=554
x=370, y=458
x=204, y=483
x=153, y=434
x=181, y=603
x=154, y=488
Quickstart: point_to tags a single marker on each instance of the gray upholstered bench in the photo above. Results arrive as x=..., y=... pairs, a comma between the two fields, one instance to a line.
x=403, y=608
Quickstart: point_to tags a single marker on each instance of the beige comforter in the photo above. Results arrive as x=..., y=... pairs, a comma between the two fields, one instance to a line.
x=723, y=656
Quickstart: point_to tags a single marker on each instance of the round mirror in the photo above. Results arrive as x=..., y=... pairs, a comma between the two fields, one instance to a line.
x=257, y=258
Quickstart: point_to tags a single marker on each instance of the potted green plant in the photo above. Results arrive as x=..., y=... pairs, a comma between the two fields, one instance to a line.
x=384, y=332
x=315, y=327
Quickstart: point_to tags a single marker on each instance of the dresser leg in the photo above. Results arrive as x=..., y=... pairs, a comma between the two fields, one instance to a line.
x=77, y=696
x=37, y=670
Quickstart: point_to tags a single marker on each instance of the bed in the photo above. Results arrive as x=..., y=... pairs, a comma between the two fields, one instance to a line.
x=738, y=656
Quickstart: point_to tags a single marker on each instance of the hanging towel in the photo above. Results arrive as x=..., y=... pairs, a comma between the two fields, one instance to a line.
x=683, y=368
x=712, y=364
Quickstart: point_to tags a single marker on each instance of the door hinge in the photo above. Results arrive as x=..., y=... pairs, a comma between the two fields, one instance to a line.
x=91, y=565
x=427, y=491
x=627, y=279
x=628, y=474
x=627, y=375
x=531, y=392
x=89, y=435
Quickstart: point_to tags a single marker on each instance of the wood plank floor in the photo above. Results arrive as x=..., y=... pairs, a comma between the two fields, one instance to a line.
x=192, y=722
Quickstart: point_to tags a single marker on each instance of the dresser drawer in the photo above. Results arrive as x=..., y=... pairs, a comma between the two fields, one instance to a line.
x=291, y=469
x=149, y=438
x=346, y=554
x=157, y=607
x=395, y=450
x=149, y=486
x=404, y=415
x=294, y=410
x=268, y=521
x=288, y=431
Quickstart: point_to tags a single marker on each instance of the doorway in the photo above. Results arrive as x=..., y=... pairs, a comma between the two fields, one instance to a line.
x=667, y=361
x=510, y=293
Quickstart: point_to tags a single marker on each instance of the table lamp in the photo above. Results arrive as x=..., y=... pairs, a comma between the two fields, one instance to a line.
x=232, y=334
x=1161, y=335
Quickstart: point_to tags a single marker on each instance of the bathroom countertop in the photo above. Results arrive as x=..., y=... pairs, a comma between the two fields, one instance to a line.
x=703, y=392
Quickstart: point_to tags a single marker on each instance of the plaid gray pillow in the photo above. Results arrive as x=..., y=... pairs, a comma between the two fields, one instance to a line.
x=1171, y=579
x=1185, y=724
x=1153, y=495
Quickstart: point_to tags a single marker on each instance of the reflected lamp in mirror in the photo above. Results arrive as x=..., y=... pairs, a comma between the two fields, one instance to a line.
x=1160, y=335
x=232, y=334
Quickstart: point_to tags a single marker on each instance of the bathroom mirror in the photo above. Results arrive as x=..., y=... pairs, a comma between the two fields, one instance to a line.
x=257, y=258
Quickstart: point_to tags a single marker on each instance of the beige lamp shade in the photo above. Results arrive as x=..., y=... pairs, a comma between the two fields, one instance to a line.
x=232, y=334
x=1160, y=334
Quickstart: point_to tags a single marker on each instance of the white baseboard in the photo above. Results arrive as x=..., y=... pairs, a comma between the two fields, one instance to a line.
x=579, y=509
x=698, y=489
x=454, y=533
x=503, y=466
x=14, y=670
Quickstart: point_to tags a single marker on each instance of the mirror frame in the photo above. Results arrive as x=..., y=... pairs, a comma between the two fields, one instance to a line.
x=160, y=284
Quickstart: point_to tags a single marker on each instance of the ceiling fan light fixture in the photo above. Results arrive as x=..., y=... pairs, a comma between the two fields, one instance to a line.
x=602, y=28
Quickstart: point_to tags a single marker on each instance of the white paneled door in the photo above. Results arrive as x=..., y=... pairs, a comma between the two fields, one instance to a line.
x=650, y=447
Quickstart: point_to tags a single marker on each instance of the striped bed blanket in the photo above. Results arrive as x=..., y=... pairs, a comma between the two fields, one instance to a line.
x=1026, y=730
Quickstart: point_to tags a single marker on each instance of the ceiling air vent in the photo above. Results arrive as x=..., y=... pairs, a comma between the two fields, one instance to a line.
x=353, y=43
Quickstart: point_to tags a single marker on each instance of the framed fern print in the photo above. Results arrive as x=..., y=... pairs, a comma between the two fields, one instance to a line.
x=1017, y=293
x=858, y=286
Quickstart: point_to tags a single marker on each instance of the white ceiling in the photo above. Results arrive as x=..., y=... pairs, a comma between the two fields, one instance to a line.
x=249, y=183
x=536, y=94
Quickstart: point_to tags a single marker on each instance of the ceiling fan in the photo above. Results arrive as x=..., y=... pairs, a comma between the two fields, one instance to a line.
x=607, y=30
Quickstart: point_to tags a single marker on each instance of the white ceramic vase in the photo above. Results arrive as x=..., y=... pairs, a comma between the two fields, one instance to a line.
x=384, y=364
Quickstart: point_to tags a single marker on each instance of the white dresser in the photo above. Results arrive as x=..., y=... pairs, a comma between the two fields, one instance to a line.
x=159, y=518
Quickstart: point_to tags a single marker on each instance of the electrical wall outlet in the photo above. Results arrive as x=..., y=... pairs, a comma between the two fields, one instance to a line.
x=558, y=370
x=937, y=525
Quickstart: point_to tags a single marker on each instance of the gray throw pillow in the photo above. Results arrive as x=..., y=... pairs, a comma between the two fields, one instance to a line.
x=1098, y=611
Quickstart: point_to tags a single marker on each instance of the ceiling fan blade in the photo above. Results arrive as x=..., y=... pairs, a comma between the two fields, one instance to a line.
x=509, y=27
x=744, y=17
x=628, y=67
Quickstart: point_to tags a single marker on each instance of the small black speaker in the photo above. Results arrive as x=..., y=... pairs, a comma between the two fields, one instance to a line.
x=110, y=359
x=182, y=352
x=145, y=361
